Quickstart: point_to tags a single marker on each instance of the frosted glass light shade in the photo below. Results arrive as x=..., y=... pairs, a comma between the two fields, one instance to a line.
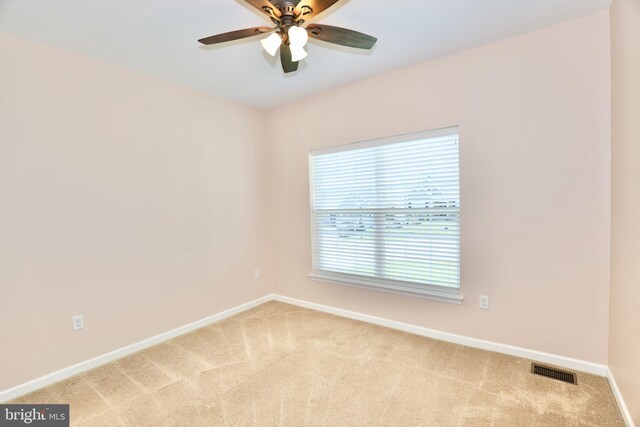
x=271, y=43
x=298, y=36
x=297, y=53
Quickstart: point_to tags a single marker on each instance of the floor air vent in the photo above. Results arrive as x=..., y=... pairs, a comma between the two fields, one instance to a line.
x=556, y=374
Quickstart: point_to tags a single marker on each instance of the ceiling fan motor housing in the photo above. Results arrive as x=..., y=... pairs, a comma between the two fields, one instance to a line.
x=288, y=9
x=288, y=18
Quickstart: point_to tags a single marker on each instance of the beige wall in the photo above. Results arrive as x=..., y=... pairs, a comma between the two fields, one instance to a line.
x=144, y=205
x=534, y=117
x=138, y=203
x=624, y=333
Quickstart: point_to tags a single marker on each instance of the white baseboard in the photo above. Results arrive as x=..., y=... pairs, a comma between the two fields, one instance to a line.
x=62, y=374
x=552, y=359
x=623, y=406
x=538, y=356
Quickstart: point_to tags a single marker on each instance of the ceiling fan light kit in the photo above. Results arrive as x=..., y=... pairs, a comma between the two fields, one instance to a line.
x=298, y=36
x=272, y=43
x=298, y=53
x=289, y=35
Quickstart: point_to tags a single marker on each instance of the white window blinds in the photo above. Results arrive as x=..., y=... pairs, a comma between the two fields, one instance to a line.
x=389, y=211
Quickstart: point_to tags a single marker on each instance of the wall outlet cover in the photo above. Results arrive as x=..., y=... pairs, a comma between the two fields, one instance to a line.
x=77, y=322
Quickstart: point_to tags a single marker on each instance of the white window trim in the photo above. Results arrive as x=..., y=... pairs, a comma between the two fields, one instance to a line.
x=402, y=288
x=432, y=292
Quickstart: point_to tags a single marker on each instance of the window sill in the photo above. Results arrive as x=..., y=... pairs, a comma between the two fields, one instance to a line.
x=452, y=297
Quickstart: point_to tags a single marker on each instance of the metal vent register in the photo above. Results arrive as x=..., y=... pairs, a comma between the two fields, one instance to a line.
x=556, y=374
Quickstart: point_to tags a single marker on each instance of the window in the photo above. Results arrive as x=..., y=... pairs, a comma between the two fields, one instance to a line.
x=386, y=214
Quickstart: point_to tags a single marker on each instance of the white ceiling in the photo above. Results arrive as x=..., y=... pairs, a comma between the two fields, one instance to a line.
x=158, y=37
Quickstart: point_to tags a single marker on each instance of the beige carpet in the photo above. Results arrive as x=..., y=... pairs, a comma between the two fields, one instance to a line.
x=282, y=365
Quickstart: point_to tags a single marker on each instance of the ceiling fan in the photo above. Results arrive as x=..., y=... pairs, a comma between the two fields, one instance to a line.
x=289, y=35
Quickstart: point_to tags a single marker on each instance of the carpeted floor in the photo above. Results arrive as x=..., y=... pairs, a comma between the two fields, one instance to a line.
x=283, y=365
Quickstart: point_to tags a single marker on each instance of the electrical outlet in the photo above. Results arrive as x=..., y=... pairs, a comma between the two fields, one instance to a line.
x=256, y=273
x=484, y=302
x=77, y=322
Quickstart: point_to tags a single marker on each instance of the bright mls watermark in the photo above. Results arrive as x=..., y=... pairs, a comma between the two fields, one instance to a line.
x=34, y=415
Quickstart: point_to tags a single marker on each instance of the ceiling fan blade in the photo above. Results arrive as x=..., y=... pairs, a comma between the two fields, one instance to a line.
x=341, y=36
x=285, y=57
x=236, y=35
x=307, y=9
x=265, y=7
